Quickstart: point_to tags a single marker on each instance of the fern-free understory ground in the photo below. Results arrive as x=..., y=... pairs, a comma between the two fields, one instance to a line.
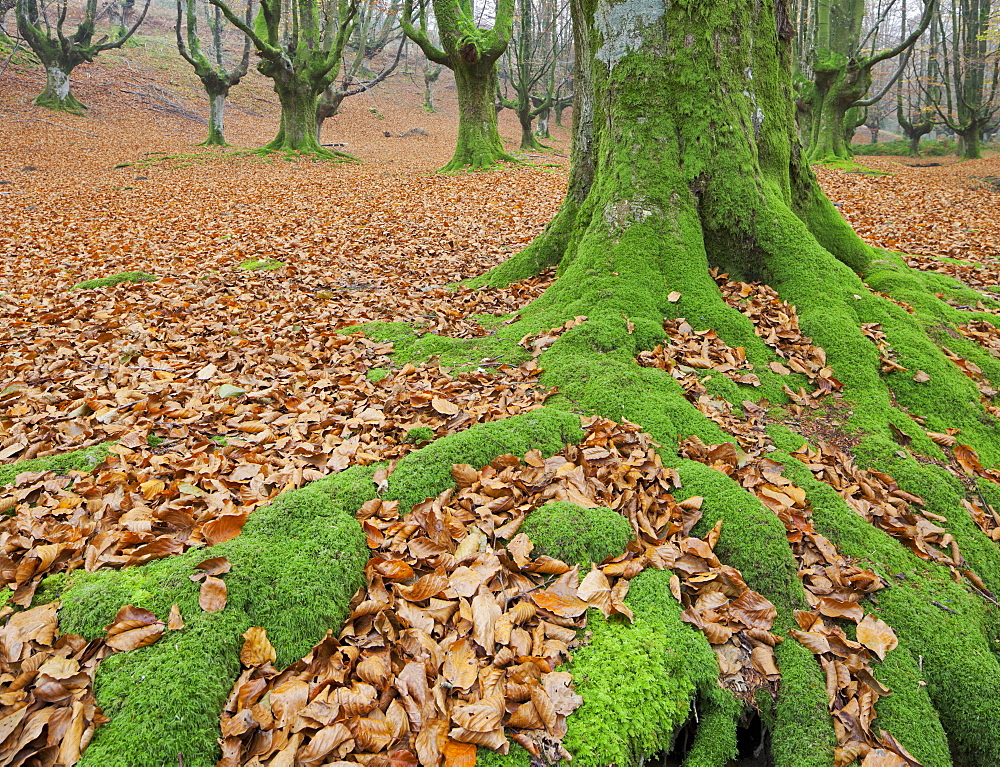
x=143, y=366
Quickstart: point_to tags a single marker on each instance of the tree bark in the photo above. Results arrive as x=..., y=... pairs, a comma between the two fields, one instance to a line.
x=216, y=118
x=478, y=145
x=658, y=197
x=298, y=129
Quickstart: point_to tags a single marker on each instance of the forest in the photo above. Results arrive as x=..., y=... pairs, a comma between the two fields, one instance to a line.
x=512, y=383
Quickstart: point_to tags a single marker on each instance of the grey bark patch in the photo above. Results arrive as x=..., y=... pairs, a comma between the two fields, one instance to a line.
x=623, y=25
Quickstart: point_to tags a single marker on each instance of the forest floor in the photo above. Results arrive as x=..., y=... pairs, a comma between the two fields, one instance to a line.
x=257, y=360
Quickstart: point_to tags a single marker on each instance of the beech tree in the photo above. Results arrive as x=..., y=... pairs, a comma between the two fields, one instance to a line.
x=917, y=92
x=471, y=53
x=210, y=65
x=374, y=29
x=531, y=61
x=685, y=160
x=837, y=55
x=686, y=166
x=42, y=26
x=300, y=44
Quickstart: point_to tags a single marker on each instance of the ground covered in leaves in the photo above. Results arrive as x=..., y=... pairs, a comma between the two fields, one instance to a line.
x=224, y=371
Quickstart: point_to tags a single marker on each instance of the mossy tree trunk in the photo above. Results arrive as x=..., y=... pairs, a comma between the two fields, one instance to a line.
x=841, y=73
x=656, y=198
x=431, y=73
x=300, y=46
x=471, y=53
x=42, y=28
x=210, y=65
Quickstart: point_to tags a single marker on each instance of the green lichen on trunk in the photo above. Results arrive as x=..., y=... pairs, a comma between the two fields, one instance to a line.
x=478, y=145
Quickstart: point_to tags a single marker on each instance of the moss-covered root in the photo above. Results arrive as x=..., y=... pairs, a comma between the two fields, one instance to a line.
x=115, y=279
x=426, y=472
x=577, y=535
x=944, y=674
x=753, y=541
x=638, y=682
x=295, y=568
x=715, y=739
x=84, y=459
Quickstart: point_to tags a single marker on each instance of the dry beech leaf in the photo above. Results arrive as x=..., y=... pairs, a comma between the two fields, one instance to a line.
x=444, y=407
x=175, y=622
x=877, y=636
x=212, y=597
x=257, y=648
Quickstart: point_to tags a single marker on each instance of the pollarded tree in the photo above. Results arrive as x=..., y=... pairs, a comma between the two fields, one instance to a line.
x=530, y=63
x=837, y=56
x=916, y=92
x=42, y=27
x=210, y=65
x=300, y=44
x=471, y=53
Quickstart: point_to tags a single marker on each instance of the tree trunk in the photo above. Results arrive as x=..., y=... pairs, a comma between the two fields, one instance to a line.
x=874, y=135
x=428, y=104
x=328, y=106
x=914, y=150
x=838, y=84
x=528, y=140
x=657, y=197
x=299, y=100
x=478, y=145
x=971, y=146
x=57, y=94
x=216, y=117
x=543, y=124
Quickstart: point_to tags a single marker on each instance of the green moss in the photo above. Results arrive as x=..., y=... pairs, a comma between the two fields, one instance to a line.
x=639, y=681
x=295, y=567
x=84, y=459
x=260, y=264
x=154, y=441
x=753, y=541
x=426, y=472
x=516, y=757
x=376, y=374
x=959, y=665
x=419, y=435
x=577, y=535
x=115, y=279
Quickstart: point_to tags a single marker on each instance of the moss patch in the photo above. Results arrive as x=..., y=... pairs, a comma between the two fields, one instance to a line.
x=83, y=459
x=115, y=279
x=577, y=535
x=295, y=568
x=260, y=264
x=639, y=681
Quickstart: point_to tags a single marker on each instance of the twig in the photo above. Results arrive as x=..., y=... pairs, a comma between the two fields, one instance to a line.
x=943, y=607
x=57, y=125
x=11, y=57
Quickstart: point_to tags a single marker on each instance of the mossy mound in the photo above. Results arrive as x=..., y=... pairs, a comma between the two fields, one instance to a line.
x=577, y=535
x=115, y=279
x=83, y=459
x=295, y=567
x=419, y=435
x=261, y=265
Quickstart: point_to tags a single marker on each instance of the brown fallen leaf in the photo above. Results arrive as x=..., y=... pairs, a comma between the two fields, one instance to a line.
x=212, y=597
x=257, y=648
x=877, y=636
